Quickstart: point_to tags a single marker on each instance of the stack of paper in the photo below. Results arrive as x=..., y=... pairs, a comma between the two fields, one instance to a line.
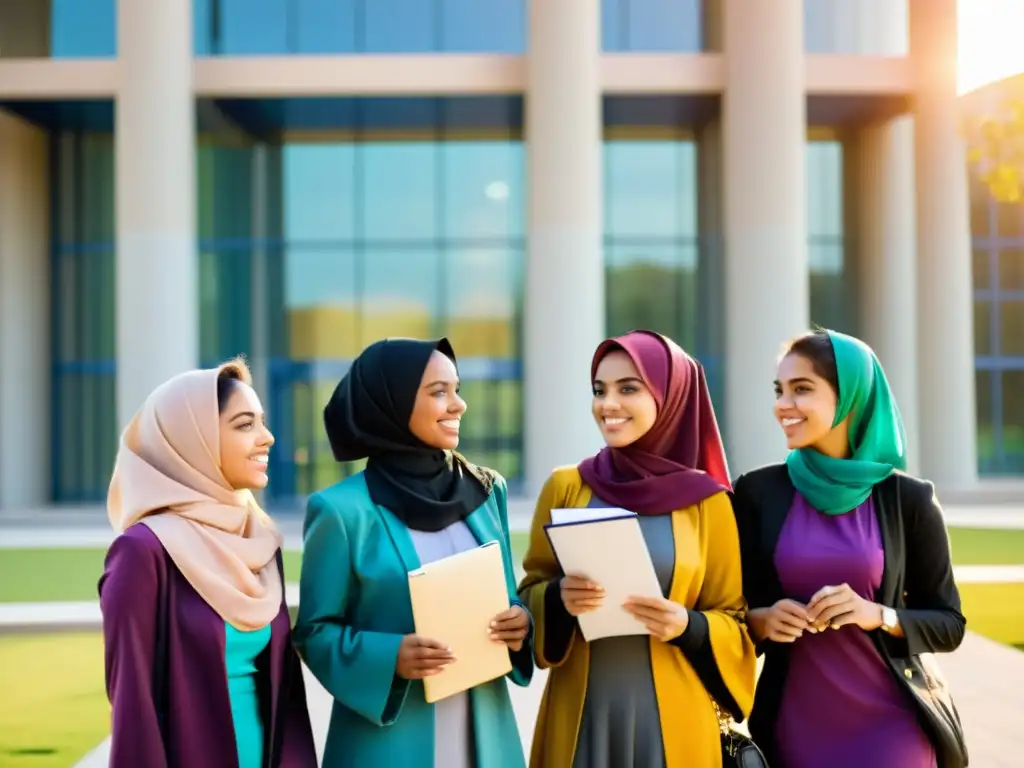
x=607, y=547
x=454, y=600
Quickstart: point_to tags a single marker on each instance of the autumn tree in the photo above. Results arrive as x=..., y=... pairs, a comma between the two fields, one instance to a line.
x=993, y=127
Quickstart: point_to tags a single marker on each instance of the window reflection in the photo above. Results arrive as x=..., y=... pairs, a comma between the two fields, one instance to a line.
x=240, y=27
x=81, y=29
x=84, y=411
x=833, y=302
x=652, y=25
x=651, y=242
x=865, y=27
x=409, y=235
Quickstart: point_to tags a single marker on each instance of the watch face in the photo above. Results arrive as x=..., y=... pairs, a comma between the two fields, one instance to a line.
x=889, y=618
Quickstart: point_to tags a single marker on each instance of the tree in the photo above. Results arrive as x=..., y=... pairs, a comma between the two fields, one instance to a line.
x=994, y=132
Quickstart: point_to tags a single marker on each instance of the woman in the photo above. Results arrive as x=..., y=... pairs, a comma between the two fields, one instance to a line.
x=201, y=671
x=644, y=702
x=838, y=537
x=417, y=501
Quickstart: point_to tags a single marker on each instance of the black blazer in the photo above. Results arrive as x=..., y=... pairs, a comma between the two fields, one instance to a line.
x=917, y=581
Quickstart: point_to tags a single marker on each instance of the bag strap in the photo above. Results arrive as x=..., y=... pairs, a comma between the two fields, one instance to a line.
x=160, y=671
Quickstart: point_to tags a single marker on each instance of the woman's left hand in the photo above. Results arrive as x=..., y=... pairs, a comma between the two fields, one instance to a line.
x=511, y=627
x=664, y=619
x=837, y=606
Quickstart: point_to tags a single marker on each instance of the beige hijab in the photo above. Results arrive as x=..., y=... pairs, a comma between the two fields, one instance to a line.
x=168, y=477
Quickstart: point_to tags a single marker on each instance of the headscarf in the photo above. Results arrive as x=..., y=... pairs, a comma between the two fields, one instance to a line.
x=168, y=476
x=680, y=461
x=368, y=415
x=878, y=442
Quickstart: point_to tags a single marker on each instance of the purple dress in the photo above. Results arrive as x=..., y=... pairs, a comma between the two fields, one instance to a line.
x=841, y=706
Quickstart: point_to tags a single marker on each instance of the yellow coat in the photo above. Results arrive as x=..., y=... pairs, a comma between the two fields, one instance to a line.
x=706, y=577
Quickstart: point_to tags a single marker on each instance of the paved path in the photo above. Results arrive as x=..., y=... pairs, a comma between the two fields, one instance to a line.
x=987, y=681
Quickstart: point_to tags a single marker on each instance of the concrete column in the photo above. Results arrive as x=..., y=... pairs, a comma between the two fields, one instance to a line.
x=24, y=315
x=948, y=426
x=882, y=167
x=766, y=281
x=157, y=273
x=563, y=320
x=879, y=172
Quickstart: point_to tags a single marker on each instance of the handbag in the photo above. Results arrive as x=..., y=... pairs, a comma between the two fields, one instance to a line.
x=738, y=749
x=921, y=676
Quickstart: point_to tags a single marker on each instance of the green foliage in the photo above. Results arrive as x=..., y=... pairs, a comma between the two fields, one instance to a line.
x=995, y=145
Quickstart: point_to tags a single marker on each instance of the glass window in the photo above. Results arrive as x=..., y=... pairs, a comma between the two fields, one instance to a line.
x=82, y=29
x=980, y=272
x=652, y=25
x=1011, y=270
x=482, y=189
x=1013, y=422
x=986, y=437
x=652, y=247
x=84, y=427
x=239, y=27
x=832, y=302
x=1011, y=325
x=982, y=327
x=495, y=26
x=397, y=234
x=876, y=28
x=399, y=190
x=981, y=205
x=1010, y=220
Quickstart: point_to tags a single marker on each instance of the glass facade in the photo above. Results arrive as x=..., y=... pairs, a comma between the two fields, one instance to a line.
x=268, y=27
x=854, y=27
x=84, y=416
x=998, y=278
x=60, y=29
x=833, y=301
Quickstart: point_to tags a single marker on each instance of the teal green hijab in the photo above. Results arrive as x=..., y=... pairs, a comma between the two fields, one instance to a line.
x=878, y=443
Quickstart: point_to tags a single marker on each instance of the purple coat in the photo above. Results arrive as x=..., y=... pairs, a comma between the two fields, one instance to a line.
x=138, y=577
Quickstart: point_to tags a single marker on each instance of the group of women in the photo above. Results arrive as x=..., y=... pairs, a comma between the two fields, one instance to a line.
x=833, y=565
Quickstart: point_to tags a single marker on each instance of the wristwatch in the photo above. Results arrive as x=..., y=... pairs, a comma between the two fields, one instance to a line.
x=890, y=619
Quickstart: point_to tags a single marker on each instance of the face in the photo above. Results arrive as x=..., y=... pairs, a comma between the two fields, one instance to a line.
x=623, y=406
x=438, y=408
x=805, y=403
x=244, y=440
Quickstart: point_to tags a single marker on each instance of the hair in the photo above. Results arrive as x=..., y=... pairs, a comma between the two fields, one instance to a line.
x=232, y=373
x=816, y=347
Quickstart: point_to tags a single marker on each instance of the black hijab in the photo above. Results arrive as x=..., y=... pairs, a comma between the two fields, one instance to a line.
x=427, y=488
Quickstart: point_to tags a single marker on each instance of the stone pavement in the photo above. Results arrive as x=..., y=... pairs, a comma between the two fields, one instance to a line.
x=987, y=680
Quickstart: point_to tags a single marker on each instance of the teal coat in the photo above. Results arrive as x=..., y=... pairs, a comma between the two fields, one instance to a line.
x=354, y=610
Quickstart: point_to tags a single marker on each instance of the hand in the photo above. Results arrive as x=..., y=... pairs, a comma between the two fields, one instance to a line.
x=420, y=657
x=511, y=627
x=664, y=619
x=784, y=622
x=838, y=606
x=580, y=595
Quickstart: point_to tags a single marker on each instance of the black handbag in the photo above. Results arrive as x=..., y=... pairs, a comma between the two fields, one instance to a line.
x=738, y=749
x=923, y=678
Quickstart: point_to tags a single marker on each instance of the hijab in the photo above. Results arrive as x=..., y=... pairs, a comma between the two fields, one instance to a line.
x=367, y=417
x=168, y=477
x=680, y=461
x=877, y=439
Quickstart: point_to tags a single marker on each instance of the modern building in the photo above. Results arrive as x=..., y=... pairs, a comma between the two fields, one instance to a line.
x=292, y=179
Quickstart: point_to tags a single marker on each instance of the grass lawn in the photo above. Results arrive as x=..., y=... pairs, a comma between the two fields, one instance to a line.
x=54, y=708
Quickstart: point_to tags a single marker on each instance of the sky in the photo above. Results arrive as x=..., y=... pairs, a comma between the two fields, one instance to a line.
x=990, y=41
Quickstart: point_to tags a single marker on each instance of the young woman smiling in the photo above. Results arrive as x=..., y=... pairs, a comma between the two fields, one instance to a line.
x=847, y=573
x=417, y=501
x=201, y=670
x=644, y=701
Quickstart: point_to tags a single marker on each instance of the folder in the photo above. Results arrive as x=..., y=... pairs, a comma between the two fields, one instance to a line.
x=607, y=547
x=454, y=600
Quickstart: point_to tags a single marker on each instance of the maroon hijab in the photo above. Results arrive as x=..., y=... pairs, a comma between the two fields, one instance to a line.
x=680, y=461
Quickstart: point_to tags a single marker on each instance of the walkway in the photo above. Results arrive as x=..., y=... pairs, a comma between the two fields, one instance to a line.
x=987, y=680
